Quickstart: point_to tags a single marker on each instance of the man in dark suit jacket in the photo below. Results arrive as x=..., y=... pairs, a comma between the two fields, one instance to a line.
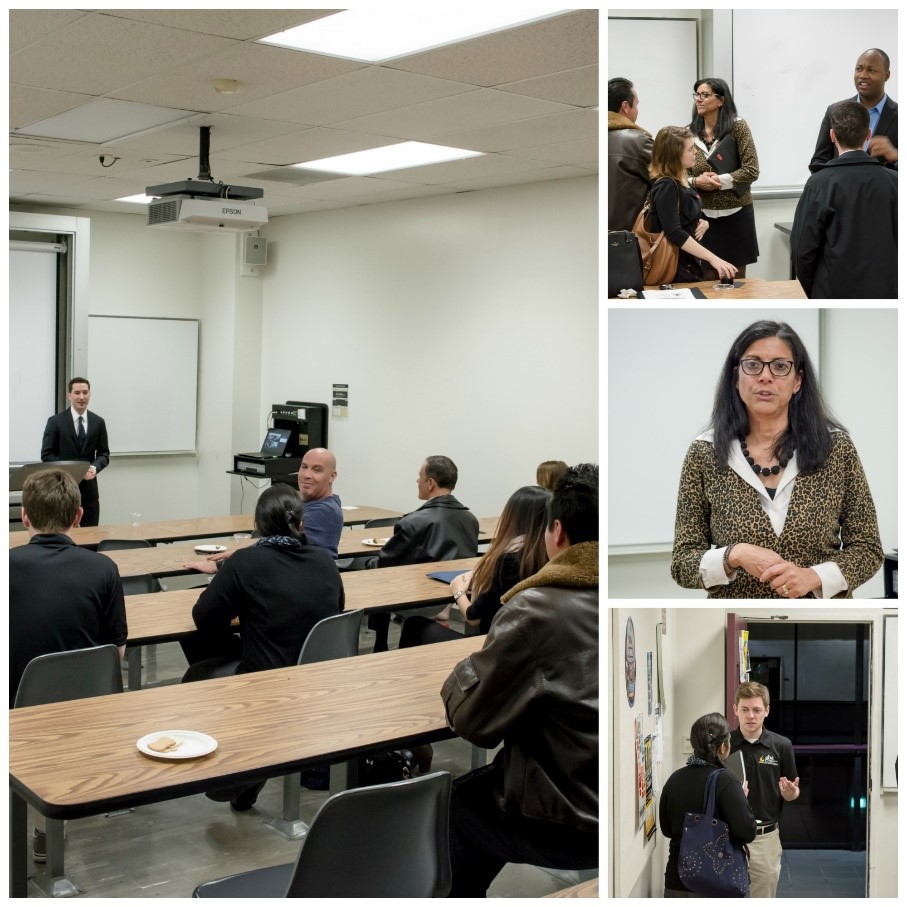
x=870, y=75
x=76, y=434
x=844, y=239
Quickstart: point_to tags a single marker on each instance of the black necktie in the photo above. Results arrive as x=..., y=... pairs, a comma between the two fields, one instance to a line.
x=80, y=436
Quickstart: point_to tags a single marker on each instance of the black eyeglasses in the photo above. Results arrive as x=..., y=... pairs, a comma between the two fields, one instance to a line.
x=778, y=367
x=702, y=96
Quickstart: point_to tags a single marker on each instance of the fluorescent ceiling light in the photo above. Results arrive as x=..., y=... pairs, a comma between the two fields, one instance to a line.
x=373, y=36
x=103, y=120
x=390, y=157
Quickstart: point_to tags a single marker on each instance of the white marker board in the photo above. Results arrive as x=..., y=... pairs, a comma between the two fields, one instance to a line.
x=144, y=382
x=789, y=65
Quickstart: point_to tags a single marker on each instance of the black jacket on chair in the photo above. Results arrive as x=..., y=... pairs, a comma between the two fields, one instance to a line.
x=60, y=443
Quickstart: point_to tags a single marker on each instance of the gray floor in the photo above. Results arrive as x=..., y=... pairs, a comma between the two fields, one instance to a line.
x=166, y=849
x=822, y=873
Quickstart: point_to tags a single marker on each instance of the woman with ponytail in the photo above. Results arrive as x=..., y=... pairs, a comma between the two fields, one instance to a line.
x=279, y=588
x=710, y=739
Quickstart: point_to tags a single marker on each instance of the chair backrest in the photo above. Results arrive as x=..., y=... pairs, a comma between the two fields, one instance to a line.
x=118, y=544
x=77, y=674
x=136, y=585
x=383, y=521
x=387, y=841
x=333, y=637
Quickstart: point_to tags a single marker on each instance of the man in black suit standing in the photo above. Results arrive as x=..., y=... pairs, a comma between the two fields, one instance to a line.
x=76, y=434
x=869, y=77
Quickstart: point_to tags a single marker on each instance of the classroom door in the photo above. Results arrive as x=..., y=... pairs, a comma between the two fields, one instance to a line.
x=817, y=673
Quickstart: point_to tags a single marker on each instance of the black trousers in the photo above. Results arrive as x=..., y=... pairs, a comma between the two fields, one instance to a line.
x=483, y=838
x=91, y=513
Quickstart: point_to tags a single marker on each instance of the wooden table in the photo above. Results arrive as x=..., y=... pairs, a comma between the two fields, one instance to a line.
x=194, y=528
x=167, y=616
x=171, y=560
x=753, y=288
x=79, y=758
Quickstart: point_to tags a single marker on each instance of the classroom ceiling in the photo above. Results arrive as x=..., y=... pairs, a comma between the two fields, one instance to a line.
x=526, y=97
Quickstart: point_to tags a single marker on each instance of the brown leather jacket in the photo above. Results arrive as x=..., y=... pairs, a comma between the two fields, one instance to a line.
x=534, y=685
x=629, y=154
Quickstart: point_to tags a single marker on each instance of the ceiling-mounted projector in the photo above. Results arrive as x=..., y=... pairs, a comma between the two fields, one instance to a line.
x=201, y=205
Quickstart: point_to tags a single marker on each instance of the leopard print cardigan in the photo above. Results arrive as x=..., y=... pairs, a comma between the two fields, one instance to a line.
x=831, y=517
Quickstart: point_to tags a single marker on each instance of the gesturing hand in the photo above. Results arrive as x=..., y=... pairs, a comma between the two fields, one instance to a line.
x=790, y=790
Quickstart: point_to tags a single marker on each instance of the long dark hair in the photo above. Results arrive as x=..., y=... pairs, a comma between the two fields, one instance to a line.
x=808, y=419
x=523, y=517
x=279, y=512
x=727, y=113
x=707, y=736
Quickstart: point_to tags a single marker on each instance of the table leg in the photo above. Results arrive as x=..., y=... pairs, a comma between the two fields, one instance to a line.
x=134, y=665
x=18, y=847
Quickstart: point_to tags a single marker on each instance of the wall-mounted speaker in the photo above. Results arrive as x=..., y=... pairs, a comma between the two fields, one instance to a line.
x=255, y=251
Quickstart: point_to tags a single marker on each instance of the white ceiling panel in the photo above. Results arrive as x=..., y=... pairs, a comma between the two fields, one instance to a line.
x=525, y=96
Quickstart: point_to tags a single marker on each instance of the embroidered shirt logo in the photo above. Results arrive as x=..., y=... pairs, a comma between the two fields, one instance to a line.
x=768, y=760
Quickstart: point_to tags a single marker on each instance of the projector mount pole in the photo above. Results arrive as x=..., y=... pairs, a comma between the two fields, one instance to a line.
x=204, y=143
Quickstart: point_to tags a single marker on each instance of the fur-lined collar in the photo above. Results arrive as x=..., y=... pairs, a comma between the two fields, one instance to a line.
x=576, y=566
x=619, y=121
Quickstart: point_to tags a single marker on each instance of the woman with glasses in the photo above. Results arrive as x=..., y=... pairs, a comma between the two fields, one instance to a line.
x=726, y=200
x=675, y=207
x=773, y=502
x=710, y=739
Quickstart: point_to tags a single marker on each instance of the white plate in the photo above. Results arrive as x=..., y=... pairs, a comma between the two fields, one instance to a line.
x=375, y=543
x=209, y=549
x=192, y=744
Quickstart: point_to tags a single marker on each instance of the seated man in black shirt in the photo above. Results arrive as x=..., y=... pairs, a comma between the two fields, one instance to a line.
x=61, y=596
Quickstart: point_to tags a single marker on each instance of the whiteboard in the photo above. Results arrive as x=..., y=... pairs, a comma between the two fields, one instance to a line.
x=144, y=382
x=789, y=65
x=32, y=350
x=654, y=414
x=890, y=703
x=660, y=57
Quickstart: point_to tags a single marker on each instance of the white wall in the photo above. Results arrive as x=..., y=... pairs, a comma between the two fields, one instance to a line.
x=464, y=325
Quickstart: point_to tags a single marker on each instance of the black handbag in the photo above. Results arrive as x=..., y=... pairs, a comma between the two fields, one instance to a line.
x=624, y=262
x=709, y=863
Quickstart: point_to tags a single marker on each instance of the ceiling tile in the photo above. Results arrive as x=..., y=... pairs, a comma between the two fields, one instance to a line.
x=578, y=87
x=532, y=176
x=510, y=56
x=369, y=90
x=28, y=105
x=308, y=145
x=575, y=124
x=468, y=168
x=28, y=26
x=263, y=71
x=97, y=54
x=474, y=109
x=580, y=153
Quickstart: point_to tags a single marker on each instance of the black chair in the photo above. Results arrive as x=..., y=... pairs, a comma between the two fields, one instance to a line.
x=58, y=677
x=382, y=521
x=121, y=544
x=388, y=841
x=334, y=637
x=136, y=585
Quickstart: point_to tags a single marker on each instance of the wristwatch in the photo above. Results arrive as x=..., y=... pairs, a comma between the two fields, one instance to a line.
x=458, y=594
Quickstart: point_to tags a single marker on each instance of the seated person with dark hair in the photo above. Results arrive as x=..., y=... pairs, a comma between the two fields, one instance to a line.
x=534, y=686
x=442, y=529
x=279, y=588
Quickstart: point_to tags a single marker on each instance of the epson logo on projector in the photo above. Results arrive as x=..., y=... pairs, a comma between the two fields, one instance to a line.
x=231, y=210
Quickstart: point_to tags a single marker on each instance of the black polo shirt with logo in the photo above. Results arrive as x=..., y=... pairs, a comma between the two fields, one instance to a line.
x=767, y=760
